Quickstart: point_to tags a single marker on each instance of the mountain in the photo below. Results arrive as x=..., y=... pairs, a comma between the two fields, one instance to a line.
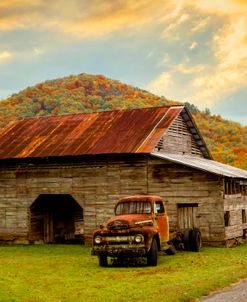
x=226, y=140
x=80, y=93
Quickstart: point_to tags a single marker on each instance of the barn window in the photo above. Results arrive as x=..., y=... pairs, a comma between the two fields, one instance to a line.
x=243, y=189
x=227, y=218
x=243, y=216
x=232, y=186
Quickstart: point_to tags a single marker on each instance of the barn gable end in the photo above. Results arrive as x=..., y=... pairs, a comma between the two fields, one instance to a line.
x=183, y=137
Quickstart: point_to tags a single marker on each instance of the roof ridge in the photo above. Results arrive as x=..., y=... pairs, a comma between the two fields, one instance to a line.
x=99, y=111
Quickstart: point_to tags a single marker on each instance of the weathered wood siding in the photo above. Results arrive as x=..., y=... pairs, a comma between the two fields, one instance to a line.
x=179, y=139
x=237, y=226
x=180, y=185
x=96, y=182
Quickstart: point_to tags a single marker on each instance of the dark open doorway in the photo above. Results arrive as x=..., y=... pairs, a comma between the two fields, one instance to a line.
x=56, y=218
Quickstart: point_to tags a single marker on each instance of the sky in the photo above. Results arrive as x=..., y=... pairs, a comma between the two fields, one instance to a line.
x=191, y=50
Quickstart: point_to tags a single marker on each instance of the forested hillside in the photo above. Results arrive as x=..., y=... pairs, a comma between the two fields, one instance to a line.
x=226, y=140
x=81, y=93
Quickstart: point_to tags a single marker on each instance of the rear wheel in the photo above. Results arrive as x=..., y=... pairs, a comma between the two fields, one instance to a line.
x=187, y=241
x=152, y=255
x=103, y=260
x=195, y=240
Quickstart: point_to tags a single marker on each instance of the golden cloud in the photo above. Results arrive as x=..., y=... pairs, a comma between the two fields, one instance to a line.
x=162, y=84
x=229, y=45
x=185, y=69
x=98, y=18
x=111, y=18
x=226, y=7
x=95, y=18
x=5, y=56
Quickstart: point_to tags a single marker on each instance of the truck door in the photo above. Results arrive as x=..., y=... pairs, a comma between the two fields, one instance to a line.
x=161, y=219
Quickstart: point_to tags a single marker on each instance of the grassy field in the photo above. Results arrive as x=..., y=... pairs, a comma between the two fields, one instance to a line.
x=69, y=273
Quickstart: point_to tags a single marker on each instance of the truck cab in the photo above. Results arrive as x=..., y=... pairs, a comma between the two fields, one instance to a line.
x=139, y=228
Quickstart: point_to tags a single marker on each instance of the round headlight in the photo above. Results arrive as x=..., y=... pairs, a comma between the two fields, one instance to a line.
x=97, y=239
x=138, y=238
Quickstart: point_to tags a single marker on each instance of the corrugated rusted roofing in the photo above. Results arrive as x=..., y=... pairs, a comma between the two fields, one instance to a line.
x=203, y=164
x=125, y=131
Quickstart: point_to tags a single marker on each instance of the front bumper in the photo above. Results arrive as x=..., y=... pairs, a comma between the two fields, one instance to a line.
x=120, y=250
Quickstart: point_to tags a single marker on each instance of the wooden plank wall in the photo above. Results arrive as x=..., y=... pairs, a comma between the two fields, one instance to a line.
x=97, y=182
x=178, y=139
x=95, y=185
x=235, y=203
x=180, y=184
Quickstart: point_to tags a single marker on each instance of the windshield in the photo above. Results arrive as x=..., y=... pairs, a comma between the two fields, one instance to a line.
x=133, y=207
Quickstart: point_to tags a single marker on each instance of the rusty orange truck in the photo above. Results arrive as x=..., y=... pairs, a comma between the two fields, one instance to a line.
x=140, y=228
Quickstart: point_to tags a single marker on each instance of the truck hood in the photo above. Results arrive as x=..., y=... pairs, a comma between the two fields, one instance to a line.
x=129, y=221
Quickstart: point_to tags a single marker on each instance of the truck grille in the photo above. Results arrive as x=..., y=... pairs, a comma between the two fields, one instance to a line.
x=118, y=239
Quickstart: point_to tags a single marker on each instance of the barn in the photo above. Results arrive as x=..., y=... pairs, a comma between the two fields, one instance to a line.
x=61, y=175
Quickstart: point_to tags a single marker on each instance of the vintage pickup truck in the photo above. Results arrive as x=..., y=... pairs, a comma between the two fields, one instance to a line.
x=140, y=228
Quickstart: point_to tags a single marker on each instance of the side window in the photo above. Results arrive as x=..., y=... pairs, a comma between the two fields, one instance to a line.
x=243, y=216
x=159, y=207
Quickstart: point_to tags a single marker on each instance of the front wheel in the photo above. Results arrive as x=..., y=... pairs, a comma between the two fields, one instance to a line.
x=103, y=260
x=152, y=255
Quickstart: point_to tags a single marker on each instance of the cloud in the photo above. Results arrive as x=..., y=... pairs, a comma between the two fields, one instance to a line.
x=199, y=26
x=193, y=45
x=218, y=26
x=119, y=15
x=5, y=56
x=231, y=45
x=38, y=51
x=185, y=69
x=212, y=87
x=230, y=73
x=165, y=60
x=84, y=19
x=162, y=83
x=177, y=21
x=209, y=83
x=227, y=7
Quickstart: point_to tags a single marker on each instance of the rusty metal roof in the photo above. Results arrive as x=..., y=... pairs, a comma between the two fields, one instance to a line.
x=203, y=164
x=125, y=131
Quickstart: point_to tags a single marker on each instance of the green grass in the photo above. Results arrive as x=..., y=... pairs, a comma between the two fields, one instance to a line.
x=69, y=273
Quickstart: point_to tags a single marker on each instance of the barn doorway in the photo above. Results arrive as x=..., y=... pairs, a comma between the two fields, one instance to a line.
x=187, y=215
x=56, y=218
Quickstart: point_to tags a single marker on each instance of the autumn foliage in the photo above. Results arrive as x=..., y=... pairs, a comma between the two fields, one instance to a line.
x=226, y=140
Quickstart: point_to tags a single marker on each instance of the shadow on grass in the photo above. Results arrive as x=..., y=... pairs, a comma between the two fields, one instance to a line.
x=127, y=262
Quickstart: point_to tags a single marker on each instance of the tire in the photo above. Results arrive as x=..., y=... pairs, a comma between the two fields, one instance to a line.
x=120, y=261
x=187, y=240
x=152, y=256
x=195, y=240
x=172, y=250
x=103, y=261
